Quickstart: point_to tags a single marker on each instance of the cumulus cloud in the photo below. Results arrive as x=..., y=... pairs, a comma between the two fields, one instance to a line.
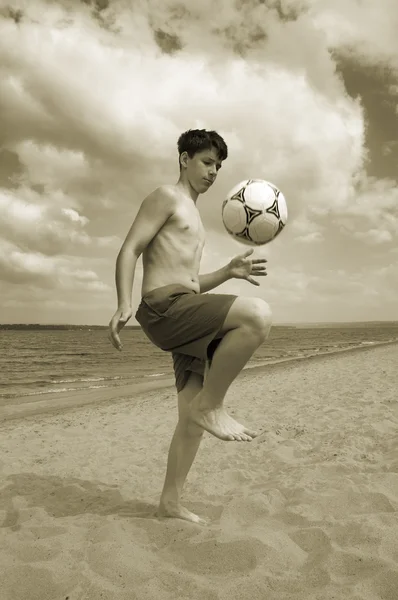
x=310, y=238
x=93, y=96
x=371, y=215
x=307, y=230
x=50, y=272
x=42, y=224
x=250, y=96
x=56, y=167
x=374, y=236
x=365, y=30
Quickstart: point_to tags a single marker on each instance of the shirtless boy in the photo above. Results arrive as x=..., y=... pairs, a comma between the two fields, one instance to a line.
x=211, y=336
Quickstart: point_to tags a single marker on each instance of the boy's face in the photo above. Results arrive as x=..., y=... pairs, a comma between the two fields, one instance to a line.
x=202, y=169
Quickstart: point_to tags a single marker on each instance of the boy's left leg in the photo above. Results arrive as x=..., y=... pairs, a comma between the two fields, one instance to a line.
x=182, y=452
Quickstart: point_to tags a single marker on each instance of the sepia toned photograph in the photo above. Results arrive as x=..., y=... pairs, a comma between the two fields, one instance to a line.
x=198, y=300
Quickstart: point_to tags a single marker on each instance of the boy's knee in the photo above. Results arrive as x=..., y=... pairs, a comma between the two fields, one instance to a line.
x=258, y=315
x=252, y=313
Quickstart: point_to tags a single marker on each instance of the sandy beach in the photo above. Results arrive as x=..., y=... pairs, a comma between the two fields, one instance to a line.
x=307, y=511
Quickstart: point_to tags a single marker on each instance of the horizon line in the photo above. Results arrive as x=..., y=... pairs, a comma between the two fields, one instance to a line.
x=281, y=323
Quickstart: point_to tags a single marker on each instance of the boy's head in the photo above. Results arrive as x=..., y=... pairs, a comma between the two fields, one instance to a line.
x=201, y=153
x=198, y=140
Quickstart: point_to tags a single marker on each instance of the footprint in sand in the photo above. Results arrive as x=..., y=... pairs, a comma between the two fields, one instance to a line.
x=212, y=557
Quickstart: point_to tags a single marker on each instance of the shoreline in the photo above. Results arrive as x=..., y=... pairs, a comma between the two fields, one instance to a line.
x=54, y=403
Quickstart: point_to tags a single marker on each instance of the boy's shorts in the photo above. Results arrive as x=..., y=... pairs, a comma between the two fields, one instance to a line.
x=187, y=324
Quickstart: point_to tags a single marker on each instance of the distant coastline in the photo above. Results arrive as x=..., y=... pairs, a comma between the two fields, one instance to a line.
x=70, y=327
x=36, y=326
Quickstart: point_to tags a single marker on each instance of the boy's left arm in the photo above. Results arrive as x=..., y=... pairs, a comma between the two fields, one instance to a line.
x=211, y=280
x=240, y=267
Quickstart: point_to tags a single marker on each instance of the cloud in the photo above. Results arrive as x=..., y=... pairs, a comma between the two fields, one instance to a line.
x=48, y=272
x=390, y=146
x=332, y=294
x=56, y=167
x=374, y=236
x=48, y=228
x=74, y=216
x=61, y=79
x=306, y=230
x=365, y=30
x=51, y=94
x=93, y=96
x=310, y=238
x=371, y=215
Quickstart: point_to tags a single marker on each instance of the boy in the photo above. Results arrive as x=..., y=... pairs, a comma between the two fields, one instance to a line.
x=211, y=336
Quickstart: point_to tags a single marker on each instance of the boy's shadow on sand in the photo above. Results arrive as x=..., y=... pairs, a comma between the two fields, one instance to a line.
x=61, y=497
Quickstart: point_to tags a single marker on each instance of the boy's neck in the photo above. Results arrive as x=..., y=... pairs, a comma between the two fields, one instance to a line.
x=184, y=185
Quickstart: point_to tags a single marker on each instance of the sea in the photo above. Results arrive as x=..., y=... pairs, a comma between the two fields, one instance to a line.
x=36, y=362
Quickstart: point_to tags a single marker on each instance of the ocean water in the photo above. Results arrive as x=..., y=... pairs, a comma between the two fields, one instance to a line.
x=42, y=361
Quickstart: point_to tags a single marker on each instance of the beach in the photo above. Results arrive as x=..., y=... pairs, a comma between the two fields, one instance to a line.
x=307, y=511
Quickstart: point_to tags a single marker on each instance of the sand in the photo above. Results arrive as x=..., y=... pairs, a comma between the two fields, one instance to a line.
x=307, y=511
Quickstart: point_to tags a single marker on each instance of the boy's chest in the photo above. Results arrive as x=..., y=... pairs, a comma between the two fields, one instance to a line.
x=187, y=223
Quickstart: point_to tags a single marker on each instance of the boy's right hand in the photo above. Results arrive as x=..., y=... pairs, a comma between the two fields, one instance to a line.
x=118, y=321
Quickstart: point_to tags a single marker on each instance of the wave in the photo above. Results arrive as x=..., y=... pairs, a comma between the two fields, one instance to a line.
x=116, y=381
x=155, y=375
x=86, y=379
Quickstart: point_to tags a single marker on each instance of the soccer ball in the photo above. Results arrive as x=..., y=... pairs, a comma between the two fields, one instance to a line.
x=254, y=212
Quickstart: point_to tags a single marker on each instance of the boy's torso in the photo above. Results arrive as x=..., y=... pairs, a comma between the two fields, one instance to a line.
x=174, y=255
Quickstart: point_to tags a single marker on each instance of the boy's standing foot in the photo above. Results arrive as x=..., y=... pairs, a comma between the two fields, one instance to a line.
x=179, y=512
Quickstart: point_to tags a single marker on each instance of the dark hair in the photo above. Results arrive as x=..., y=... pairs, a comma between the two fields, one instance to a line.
x=197, y=140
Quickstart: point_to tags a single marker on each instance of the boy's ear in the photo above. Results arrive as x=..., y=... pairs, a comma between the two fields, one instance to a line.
x=183, y=159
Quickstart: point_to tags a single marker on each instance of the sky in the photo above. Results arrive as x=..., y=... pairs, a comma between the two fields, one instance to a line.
x=95, y=93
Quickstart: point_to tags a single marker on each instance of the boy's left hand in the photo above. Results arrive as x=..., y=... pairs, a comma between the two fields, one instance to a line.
x=243, y=267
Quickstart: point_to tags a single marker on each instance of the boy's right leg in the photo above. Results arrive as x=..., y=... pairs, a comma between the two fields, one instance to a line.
x=245, y=328
x=183, y=448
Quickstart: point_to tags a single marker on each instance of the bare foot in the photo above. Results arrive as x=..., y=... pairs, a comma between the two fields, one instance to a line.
x=219, y=423
x=179, y=512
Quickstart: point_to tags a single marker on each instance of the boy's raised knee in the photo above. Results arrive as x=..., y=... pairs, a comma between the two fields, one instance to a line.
x=252, y=313
x=258, y=316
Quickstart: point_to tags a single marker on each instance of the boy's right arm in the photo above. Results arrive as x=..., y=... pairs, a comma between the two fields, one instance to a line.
x=155, y=210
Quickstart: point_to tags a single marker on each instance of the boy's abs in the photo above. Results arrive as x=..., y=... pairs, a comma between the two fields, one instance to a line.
x=172, y=259
x=157, y=278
